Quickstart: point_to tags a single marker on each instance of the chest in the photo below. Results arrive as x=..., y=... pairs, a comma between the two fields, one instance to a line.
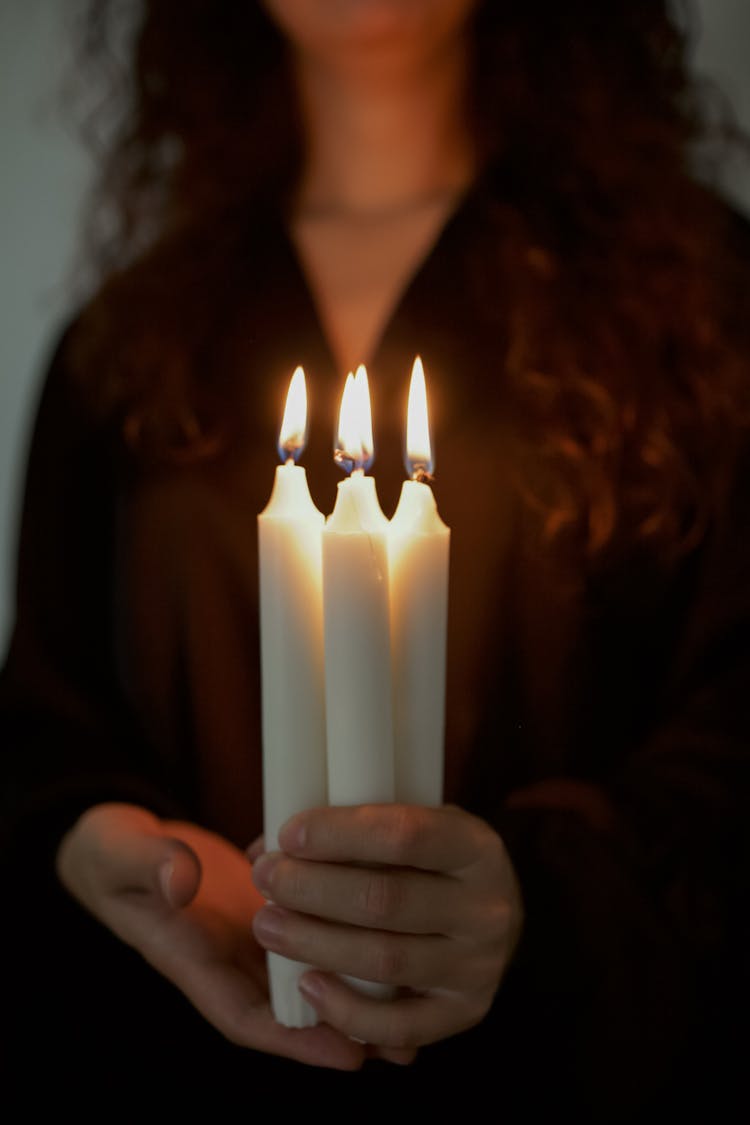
x=357, y=269
x=539, y=676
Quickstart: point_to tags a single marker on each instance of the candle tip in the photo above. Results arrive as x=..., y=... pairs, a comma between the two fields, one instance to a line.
x=354, y=445
x=421, y=474
x=419, y=459
x=293, y=433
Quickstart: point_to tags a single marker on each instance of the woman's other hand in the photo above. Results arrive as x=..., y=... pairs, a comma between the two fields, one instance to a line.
x=425, y=899
x=183, y=897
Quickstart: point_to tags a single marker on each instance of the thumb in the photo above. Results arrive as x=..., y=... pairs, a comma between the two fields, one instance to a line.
x=135, y=853
x=179, y=874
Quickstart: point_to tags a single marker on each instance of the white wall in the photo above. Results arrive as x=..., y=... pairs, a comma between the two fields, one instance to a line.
x=43, y=173
x=723, y=55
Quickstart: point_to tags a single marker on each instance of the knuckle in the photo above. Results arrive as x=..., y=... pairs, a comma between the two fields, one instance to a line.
x=382, y=897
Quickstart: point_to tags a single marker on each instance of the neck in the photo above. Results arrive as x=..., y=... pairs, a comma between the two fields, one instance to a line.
x=384, y=139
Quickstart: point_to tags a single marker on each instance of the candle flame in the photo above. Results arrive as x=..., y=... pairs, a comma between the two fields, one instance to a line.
x=293, y=433
x=419, y=460
x=354, y=442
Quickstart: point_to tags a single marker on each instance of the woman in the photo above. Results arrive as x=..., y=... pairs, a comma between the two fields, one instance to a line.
x=505, y=189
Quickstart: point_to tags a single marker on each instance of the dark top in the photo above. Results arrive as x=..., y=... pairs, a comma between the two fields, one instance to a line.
x=597, y=717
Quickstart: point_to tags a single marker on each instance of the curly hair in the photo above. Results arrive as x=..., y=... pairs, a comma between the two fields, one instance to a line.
x=627, y=353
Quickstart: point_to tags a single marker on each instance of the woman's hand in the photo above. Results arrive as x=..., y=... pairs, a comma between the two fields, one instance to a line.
x=184, y=899
x=425, y=899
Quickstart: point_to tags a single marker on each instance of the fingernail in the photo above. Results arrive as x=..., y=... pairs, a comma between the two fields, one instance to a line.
x=263, y=870
x=165, y=877
x=312, y=987
x=269, y=924
x=293, y=836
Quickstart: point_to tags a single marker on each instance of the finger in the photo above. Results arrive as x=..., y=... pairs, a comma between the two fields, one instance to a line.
x=404, y=1023
x=255, y=850
x=414, y=962
x=445, y=839
x=180, y=876
x=160, y=864
x=134, y=854
x=397, y=899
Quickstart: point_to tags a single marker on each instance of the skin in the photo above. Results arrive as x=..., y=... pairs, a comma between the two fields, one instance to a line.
x=183, y=897
x=369, y=39
x=438, y=915
x=423, y=899
x=382, y=91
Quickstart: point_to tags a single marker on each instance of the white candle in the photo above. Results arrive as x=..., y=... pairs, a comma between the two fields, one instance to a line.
x=292, y=669
x=359, y=710
x=357, y=620
x=418, y=563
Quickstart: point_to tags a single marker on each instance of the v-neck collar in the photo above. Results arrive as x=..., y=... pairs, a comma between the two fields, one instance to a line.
x=408, y=294
x=440, y=314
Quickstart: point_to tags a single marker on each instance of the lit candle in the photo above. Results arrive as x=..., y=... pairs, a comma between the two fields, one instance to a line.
x=357, y=633
x=418, y=563
x=292, y=669
x=359, y=713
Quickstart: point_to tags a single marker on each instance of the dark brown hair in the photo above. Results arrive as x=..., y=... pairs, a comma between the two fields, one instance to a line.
x=627, y=352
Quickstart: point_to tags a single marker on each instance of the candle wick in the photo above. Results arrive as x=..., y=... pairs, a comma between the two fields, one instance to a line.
x=421, y=475
x=348, y=462
x=289, y=451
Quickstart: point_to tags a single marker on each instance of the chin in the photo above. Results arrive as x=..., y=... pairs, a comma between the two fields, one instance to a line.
x=328, y=28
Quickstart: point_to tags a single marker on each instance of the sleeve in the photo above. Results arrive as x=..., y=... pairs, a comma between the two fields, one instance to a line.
x=83, y=1014
x=67, y=738
x=632, y=978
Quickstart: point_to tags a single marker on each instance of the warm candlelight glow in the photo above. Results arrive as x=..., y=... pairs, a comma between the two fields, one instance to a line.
x=418, y=446
x=293, y=434
x=354, y=442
